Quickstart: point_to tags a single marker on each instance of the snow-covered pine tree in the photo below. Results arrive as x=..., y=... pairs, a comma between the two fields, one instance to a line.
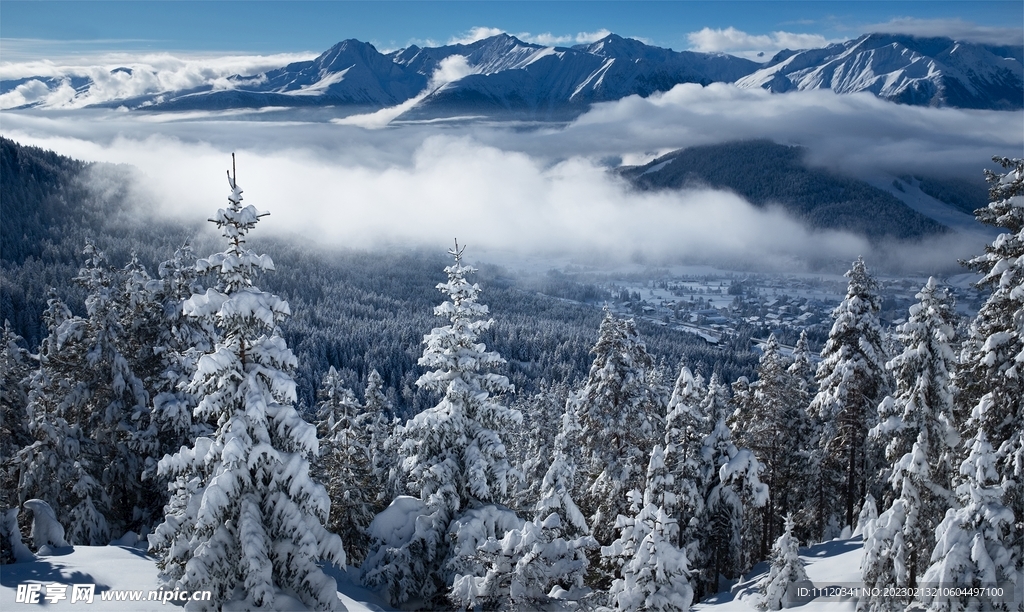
x=992, y=377
x=383, y=453
x=453, y=454
x=686, y=427
x=15, y=366
x=522, y=568
x=973, y=546
x=533, y=445
x=773, y=424
x=620, y=419
x=559, y=481
x=805, y=515
x=852, y=380
x=732, y=484
x=180, y=343
x=786, y=570
x=918, y=423
x=345, y=463
x=654, y=573
x=249, y=523
x=86, y=408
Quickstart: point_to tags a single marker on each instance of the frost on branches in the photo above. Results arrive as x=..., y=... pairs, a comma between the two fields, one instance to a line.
x=992, y=377
x=245, y=520
x=452, y=454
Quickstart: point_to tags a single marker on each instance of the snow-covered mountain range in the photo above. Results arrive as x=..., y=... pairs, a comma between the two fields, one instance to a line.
x=904, y=69
x=503, y=75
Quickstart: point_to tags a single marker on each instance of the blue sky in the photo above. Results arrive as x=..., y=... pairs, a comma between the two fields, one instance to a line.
x=40, y=29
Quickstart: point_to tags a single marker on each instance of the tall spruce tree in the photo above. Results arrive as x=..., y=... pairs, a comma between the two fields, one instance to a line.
x=972, y=543
x=732, y=484
x=15, y=366
x=345, y=463
x=87, y=407
x=620, y=418
x=992, y=376
x=686, y=428
x=917, y=425
x=245, y=519
x=852, y=380
x=452, y=454
x=654, y=573
x=773, y=423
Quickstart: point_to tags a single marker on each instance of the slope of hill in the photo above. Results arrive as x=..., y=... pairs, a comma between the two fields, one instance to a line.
x=766, y=173
x=905, y=69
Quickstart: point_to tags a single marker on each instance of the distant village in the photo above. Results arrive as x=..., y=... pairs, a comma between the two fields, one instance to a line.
x=717, y=307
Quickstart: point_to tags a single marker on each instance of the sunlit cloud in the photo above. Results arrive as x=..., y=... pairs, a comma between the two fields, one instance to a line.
x=752, y=46
x=546, y=38
x=956, y=28
x=474, y=34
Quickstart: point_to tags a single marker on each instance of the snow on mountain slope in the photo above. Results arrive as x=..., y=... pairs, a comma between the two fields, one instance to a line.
x=561, y=82
x=507, y=75
x=920, y=71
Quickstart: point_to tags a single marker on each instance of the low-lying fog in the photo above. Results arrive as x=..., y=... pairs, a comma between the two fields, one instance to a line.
x=538, y=190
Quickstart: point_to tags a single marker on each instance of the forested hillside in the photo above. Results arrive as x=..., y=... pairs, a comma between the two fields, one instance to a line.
x=353, y=310
x=766, y=173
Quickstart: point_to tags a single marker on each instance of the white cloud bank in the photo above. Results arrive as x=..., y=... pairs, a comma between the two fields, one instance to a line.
x=957, y=29
x=118, y=76
x=547, y=38
x=752, y=46
x=543, y=190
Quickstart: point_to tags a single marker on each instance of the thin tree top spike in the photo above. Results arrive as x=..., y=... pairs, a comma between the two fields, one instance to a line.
x=457, y=252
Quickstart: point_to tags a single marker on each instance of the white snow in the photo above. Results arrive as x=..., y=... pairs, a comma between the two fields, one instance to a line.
x=45, y=528
x=116, y=568
x=835, y=563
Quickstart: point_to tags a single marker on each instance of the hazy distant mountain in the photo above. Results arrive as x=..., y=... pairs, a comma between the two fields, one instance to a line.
x=765, y=173
x=504, y=76
x=905, y=69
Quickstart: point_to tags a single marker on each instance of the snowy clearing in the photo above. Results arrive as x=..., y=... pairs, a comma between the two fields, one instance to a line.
x=115, y=569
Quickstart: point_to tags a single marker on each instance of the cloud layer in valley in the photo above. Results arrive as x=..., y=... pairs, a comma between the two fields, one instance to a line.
x=118, y=76
x=546, y=189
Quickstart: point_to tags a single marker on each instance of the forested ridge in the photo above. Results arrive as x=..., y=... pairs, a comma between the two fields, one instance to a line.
x=764, y=172
x=631, y=468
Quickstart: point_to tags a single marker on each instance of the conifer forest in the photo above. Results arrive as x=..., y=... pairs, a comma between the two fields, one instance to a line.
x=464, y=438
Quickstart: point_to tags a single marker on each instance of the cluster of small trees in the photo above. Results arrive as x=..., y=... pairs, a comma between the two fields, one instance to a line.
x=173, y=404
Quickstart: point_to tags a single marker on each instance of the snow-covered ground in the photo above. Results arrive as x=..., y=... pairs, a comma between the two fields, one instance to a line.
x=835, y=563
x=116, y=568
x=126, y=569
